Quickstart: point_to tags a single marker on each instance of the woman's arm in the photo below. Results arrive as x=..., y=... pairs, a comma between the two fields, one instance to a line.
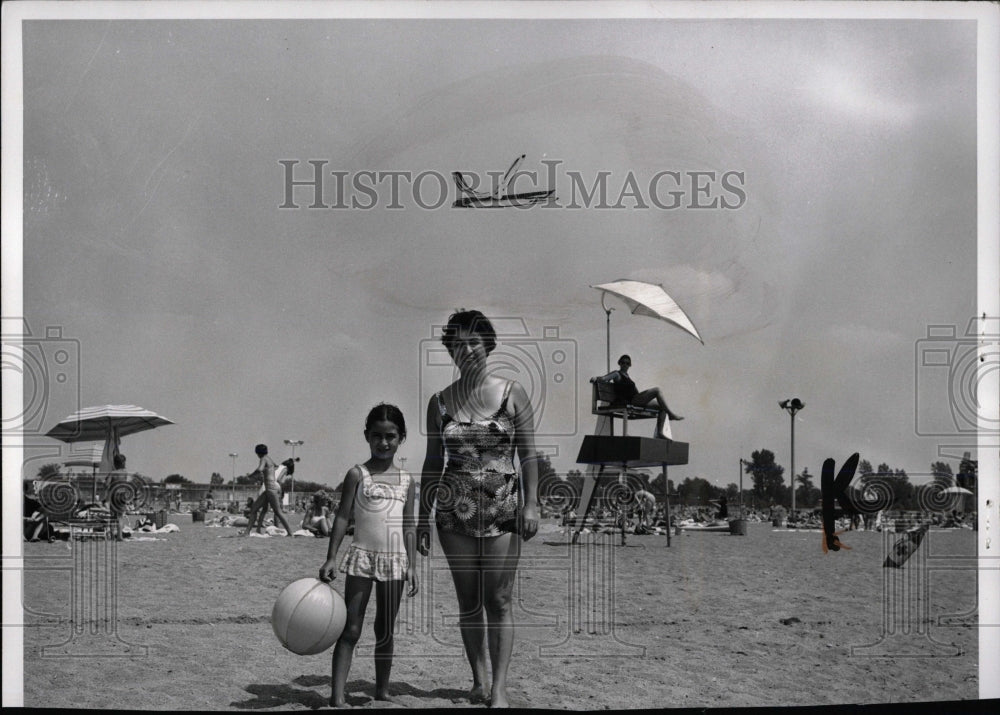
x=410, y=536
x=612, y=376
x=524, y=439
x=430, y=475
x=306, y=517
x=327, y=571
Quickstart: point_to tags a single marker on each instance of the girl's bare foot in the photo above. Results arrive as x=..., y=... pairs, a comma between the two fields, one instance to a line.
x=673, y=416
x=338, y=704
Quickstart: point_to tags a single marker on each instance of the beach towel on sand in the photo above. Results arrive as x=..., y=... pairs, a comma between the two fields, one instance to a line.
x=165, y=529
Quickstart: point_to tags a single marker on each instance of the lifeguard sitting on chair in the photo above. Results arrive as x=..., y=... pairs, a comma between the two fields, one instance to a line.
x=628, y=395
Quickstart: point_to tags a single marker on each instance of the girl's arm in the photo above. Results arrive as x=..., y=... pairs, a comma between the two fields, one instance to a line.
x=328, y=571
x=410, y=536
x=524, y=439
x=430, y=475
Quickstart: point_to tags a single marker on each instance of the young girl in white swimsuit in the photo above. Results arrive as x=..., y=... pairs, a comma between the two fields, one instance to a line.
x=381, y=497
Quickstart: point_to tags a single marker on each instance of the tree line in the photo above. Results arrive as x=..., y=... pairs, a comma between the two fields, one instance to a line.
x=770, y=489
x=767, y=476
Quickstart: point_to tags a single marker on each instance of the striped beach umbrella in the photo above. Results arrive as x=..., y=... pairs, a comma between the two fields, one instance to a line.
x=107, y=423
x=93, y=424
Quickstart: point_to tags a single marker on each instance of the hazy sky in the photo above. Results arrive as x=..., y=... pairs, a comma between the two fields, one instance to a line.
x=153, y=237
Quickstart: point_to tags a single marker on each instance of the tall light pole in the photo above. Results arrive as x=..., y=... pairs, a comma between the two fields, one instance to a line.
x=293, y=443
x=232, y=483
x=791, y=407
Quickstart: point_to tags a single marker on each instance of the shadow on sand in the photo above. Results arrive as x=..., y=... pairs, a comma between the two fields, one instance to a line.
x=359, y=692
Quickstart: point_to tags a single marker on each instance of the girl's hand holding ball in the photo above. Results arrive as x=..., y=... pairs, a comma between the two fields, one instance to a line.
x=328, y=571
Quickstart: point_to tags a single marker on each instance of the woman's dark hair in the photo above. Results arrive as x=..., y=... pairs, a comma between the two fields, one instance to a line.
x=260, y=449
x=289, y=464
x=624, y=357
x=473, y=321
x=390, y=413
x=119, y=461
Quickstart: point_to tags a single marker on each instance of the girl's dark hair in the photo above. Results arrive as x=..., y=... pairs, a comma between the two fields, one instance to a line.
x=260, y=449
x=390, y=413
x=119, y=461
x=471, y=320
x=624, y=357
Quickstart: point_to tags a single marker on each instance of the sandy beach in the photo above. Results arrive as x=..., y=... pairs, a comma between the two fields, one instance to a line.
x=713, y=620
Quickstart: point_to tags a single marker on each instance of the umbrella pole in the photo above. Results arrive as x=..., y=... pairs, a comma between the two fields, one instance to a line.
x=607, y=335
x=93, y=487
x=607, y=343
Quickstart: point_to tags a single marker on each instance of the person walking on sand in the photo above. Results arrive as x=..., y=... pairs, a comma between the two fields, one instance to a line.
x=272, y=491
x=626, y=393
x=282, y=473
x=381, y=498
x=474, y=427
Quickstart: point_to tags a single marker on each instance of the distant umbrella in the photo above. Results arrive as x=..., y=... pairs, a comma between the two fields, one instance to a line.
x=955, y=490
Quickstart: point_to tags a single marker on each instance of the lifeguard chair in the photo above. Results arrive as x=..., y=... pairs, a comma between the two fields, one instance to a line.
x=604, y=448
x=607, y=449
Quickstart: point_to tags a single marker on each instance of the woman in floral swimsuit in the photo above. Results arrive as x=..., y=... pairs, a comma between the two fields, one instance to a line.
x=474, y=426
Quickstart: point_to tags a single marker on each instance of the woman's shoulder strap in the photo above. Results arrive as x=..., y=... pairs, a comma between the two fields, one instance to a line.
x=440, y=404
x=506, y=394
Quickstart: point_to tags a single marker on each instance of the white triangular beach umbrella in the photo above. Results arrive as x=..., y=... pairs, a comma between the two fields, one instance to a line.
x=652, y=300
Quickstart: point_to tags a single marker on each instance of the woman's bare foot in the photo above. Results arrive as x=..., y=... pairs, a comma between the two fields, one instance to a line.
x=673, y=416
x=499, y=699
x=478, y=694
x=339, y=704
